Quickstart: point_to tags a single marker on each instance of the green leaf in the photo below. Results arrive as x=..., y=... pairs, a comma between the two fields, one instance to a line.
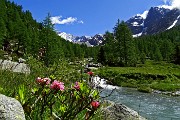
x=34, y=90
x=95, y=93
x=62, y=108
x=52, y=77
x=21, y=93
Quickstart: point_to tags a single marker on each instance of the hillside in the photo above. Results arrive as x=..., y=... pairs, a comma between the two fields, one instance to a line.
x=22, y=36
x=155, y=20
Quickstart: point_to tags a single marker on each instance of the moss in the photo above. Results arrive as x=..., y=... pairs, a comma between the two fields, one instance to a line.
x=145, y=89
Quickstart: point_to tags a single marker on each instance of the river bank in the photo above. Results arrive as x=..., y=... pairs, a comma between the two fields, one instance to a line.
x=152, y=106
x=114, y=111
x=162, y=78
x=148, y=105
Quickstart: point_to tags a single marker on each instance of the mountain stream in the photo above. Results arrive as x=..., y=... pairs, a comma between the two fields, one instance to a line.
x=152, y=106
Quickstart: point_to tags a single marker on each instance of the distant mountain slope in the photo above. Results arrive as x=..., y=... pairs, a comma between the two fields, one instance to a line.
x=152, y=21
x=88, y=40
x=155, y=20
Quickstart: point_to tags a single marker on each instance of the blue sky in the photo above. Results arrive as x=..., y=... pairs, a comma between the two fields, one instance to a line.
x=86, y=17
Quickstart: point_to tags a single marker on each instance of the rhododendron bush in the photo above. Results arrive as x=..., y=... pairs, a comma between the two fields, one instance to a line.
x=54, y=99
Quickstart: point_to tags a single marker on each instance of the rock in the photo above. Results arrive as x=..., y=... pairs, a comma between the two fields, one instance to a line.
x=114, y=111
x=176, y=93
x=14, y=66
x=20, y=60
x=10, y=109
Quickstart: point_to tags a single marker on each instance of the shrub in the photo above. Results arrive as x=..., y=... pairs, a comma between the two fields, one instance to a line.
x=53, y=98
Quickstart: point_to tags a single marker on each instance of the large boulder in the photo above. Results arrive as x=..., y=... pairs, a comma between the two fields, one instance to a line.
x=112, y=111
x=10, y=109
x=14, y=66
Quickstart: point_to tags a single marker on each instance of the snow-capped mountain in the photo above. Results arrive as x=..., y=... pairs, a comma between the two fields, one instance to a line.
x=155, y=20
x=66, y=36
x=152, y=21
x=88, y=40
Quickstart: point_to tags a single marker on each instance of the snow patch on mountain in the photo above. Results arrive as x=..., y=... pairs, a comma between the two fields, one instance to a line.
x=88, y=40
x=144, y=15
x=135, y=24
x=155, y=20
x=89, y=37
x=66, y=36
x=166, y=7
x=173, y=23
x=137, y=35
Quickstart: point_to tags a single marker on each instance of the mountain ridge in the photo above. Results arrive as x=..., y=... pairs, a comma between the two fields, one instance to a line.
x=155, y=20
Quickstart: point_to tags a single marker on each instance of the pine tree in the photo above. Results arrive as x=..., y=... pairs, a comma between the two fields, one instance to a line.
x=20, y=34
x=177, y=55
x=157, y=54
x=3, y=31
x=101, y=56
x=142, y=57
x=3, y=19
x=109, y=48
x=166, y=50
x=125, y=48
x=3, y=14
x=47, y=34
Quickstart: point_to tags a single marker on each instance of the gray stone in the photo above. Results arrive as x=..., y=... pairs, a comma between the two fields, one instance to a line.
x=20, y=60
x=112, y=111
x=14, y=66
x=10, y=109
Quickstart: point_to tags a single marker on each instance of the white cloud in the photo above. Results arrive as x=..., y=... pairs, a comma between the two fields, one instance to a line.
x=173, y=3
x=80, y=22
x=176, y=3
x=165, y=1
x=59, y=20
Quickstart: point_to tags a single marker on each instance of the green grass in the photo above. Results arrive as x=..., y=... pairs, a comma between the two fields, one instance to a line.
x=10, y=81
x=152, y=75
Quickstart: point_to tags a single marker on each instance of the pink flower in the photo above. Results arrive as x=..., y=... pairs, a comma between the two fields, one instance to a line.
x=56, y=85
x=77, y=86
x=90, y=73
x=95, y=104
x=43, y=81
x=38, y=80
x=47, y=80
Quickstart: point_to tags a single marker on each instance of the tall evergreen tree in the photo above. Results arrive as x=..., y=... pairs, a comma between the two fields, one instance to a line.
x=125, y=46
x=47, y=40
x=3, y=31
x=157, y=54
x=166, y=49
x=101, y=56
x=3, y=9
x=177, y=55
x=109, y=48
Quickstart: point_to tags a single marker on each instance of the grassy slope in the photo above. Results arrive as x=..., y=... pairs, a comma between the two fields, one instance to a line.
x=10, y=82
x=160, y=76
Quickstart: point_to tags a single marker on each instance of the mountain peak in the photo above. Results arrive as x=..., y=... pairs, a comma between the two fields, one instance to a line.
x=66, y=36
x=144, y=15
x=156, y=19
x=88, y=40
x=166, y=7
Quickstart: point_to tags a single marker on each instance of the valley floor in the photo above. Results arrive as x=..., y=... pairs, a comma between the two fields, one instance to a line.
x=147, y=77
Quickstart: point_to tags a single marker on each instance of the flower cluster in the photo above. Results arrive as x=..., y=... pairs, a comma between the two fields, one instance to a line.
x=95, y=104
x=90, y=73
x=43, y=81
x=77, y=86
x=56, y=85
x=46, y=98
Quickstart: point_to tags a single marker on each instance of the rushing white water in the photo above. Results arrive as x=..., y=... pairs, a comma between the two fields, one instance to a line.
x=102, y=83
x=149, y=105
